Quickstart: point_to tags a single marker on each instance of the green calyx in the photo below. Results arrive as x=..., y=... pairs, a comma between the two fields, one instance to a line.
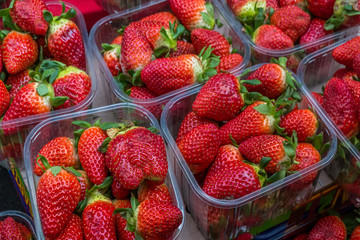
x=64, y=15
x=132, y=77
x=209, y=62
x=109, y=47
x=7, y=20
x=170, y=37
x=260, y=169
x=55, y=170
x=342, y=10
x=208, y=16
x=252, y=16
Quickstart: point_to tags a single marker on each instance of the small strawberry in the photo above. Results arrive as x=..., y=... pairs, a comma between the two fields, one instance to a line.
x=340, y=105
x=10, y=230
x=345, y=53
x=271, y=37
x=73, y=229
x=355, y=235
x=292, y=20
x=85, y=184
x=98, y=220
x=315, y=31
x=321, y=8
x=300, y=3
x=182, y=48
x=190, y=122
x=118, y=191
x=200, y=146
x=4, y=98
x=65, y=40
x=229, y=62
x=112, y=57
x=164, y=17
x=19, y=51
x=203, y=38
x=58, y=152
x=154, y=192
x=246, y=10
x=193, y=13
x=319, y=97
x=145, y=93
x=17, y=81
x=121, y=222
x=330, y=227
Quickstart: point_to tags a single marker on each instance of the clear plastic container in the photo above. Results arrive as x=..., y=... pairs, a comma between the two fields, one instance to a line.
x=114, y=6
x=242, y=214
x=62, y=126
x=314, y=72
x=20, y=217
x=261, y=54
x=104, y=32
x=11, y=146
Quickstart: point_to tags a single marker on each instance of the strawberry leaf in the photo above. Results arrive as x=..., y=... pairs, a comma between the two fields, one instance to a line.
x=82, y=124
x=134, y=202
x=180, y=29
x=251, y=82
x=263, y=109
x=218, y=23
x=74, y=172
x=264, y=162
x=3, y=76
x=208, y=16
x=233, y=141
x=108, y=125
x=137, y=236
x=42, y=89
x=107, y=47
x=57, y=101
x=55, y=170
x=154, y=130
x=47, y=16
x=103, y=147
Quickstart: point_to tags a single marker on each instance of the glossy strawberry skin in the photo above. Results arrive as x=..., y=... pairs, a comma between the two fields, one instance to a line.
x=85, y=184
x=57, y=198
x=356, y=64
x=118, y=191
x=17, y=81
x=28, y=15
x=199, y=147
x=220, y=98
x=355, y=234
x=346, y=52
x=229, y=62
x=4, y=98
x=91, y=159
x=65, y=43
x=25, y=231
x=321, y=8
x=154, y=192
x=299, y=3
x=73, y=229
x=19, y=51
x=272, y=37
x=330, y=227
x=121, y=222
x=10, y=230
x=164, y=17
x=201, y=38
x=292, y=20
x=245, y=9
x=117, y=40
x=59, y=152
x=318, y=97
x=183, y=48
x=112, y=60
x=315, y=31
x=274, y=4
x=144, y=93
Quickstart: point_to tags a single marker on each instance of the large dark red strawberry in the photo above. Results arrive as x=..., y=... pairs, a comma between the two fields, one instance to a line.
x=73, y=229
x=272, y=37
x=144, y=93
x=10, y=230
x=201, y=38
x=315, y=31
x=330, y=227
x=321, y=8
x=345, y=53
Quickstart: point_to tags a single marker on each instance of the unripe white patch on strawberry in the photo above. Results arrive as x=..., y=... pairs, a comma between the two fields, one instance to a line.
x=56, y=25
x=201, y=23
x=197, y=67
x=250, y=9
x=283, y=71
x=46, y=99
x=270, y=121
x=69, y=70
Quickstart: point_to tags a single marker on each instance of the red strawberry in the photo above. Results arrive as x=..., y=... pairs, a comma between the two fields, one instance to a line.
x=117, y=40
x=342, y=72
x=59, y=152
x=4, y=98
x=200, y=146
x=19, y=51
x=246, y=10
x=292, y=20
x=145, y=93
x=274, y=4
x=293, y=62
x=182, y=48
x=353, y=83
x=91, y=159
x=28, y=15
x=17, y=81
x=229, y=62
x=190, y=122
x=271, y=37
x=121, y=222
x=1, y=61
x=346, y=14
x=118, y=191
x=65, y=41
x=164, y=17
x=10, y=230
x=98, y=220
x=303, y=236
x=201, y=38
x=193, y=13
x=112, y=58
x=319, y=97
x=302, y=121
x=136, y=155
x=74, y=84
x=315, y=31
x=356, y=64
x=306, y=155
x=154, y=192
x=73, y=229
x=321, y=8
x=41, y=41
x=340, y=105
x=300, y=3
x=248, y=123
x=85, y=184
x=220, y=98
x=57, y=194
x=24, y=230
x=355, y=234
x=345, y=53
x=330, y=227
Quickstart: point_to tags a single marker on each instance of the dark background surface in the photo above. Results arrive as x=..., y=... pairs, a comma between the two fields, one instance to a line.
x=9, y=198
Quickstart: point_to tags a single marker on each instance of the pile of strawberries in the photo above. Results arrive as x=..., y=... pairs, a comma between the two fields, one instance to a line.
x=42, y=59
x=86, y=182
x=157, y=55
x=245, y=134
x=10, y=229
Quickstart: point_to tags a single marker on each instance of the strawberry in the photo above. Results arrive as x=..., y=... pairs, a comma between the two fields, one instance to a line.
x=302, y=121
x=271, y=37
x=164, y=17
x=117, y=40
x=274, y=4
x=85, y=184
x=319, y=97
x=193, y=13
x=112, y=57
x=57, y=194
x=356, y=64
x=19, y=51
x=167, y=74
x=229, y=62
x=145, y=93
x=64, y=39
x=190, y=122
x=340, y=105
x=346, y=14
x=203, y=38
x=88, y=141
x=58, y=152
x=300, y=3
x=118, y=191
x=154, y=192
x=355, y=235
x=1, y=61
x=10, y=230
x=4, y=98
x=121, y=222
x=293, y=62
x=246, y=10
x=330, y=227
x=306, y=155
x=135, y=155
x=74, y=84
x=199, y=147
x=25, y=231
x=321, y=8
x=345, y=53
x=17, y=81
x=182, y=48
x=273, y=146
x=345, y=73
x=292, y=20
x=353, y=83
x=73, y=229
x=98, y=220
x=315, y=31
x=303, y=236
